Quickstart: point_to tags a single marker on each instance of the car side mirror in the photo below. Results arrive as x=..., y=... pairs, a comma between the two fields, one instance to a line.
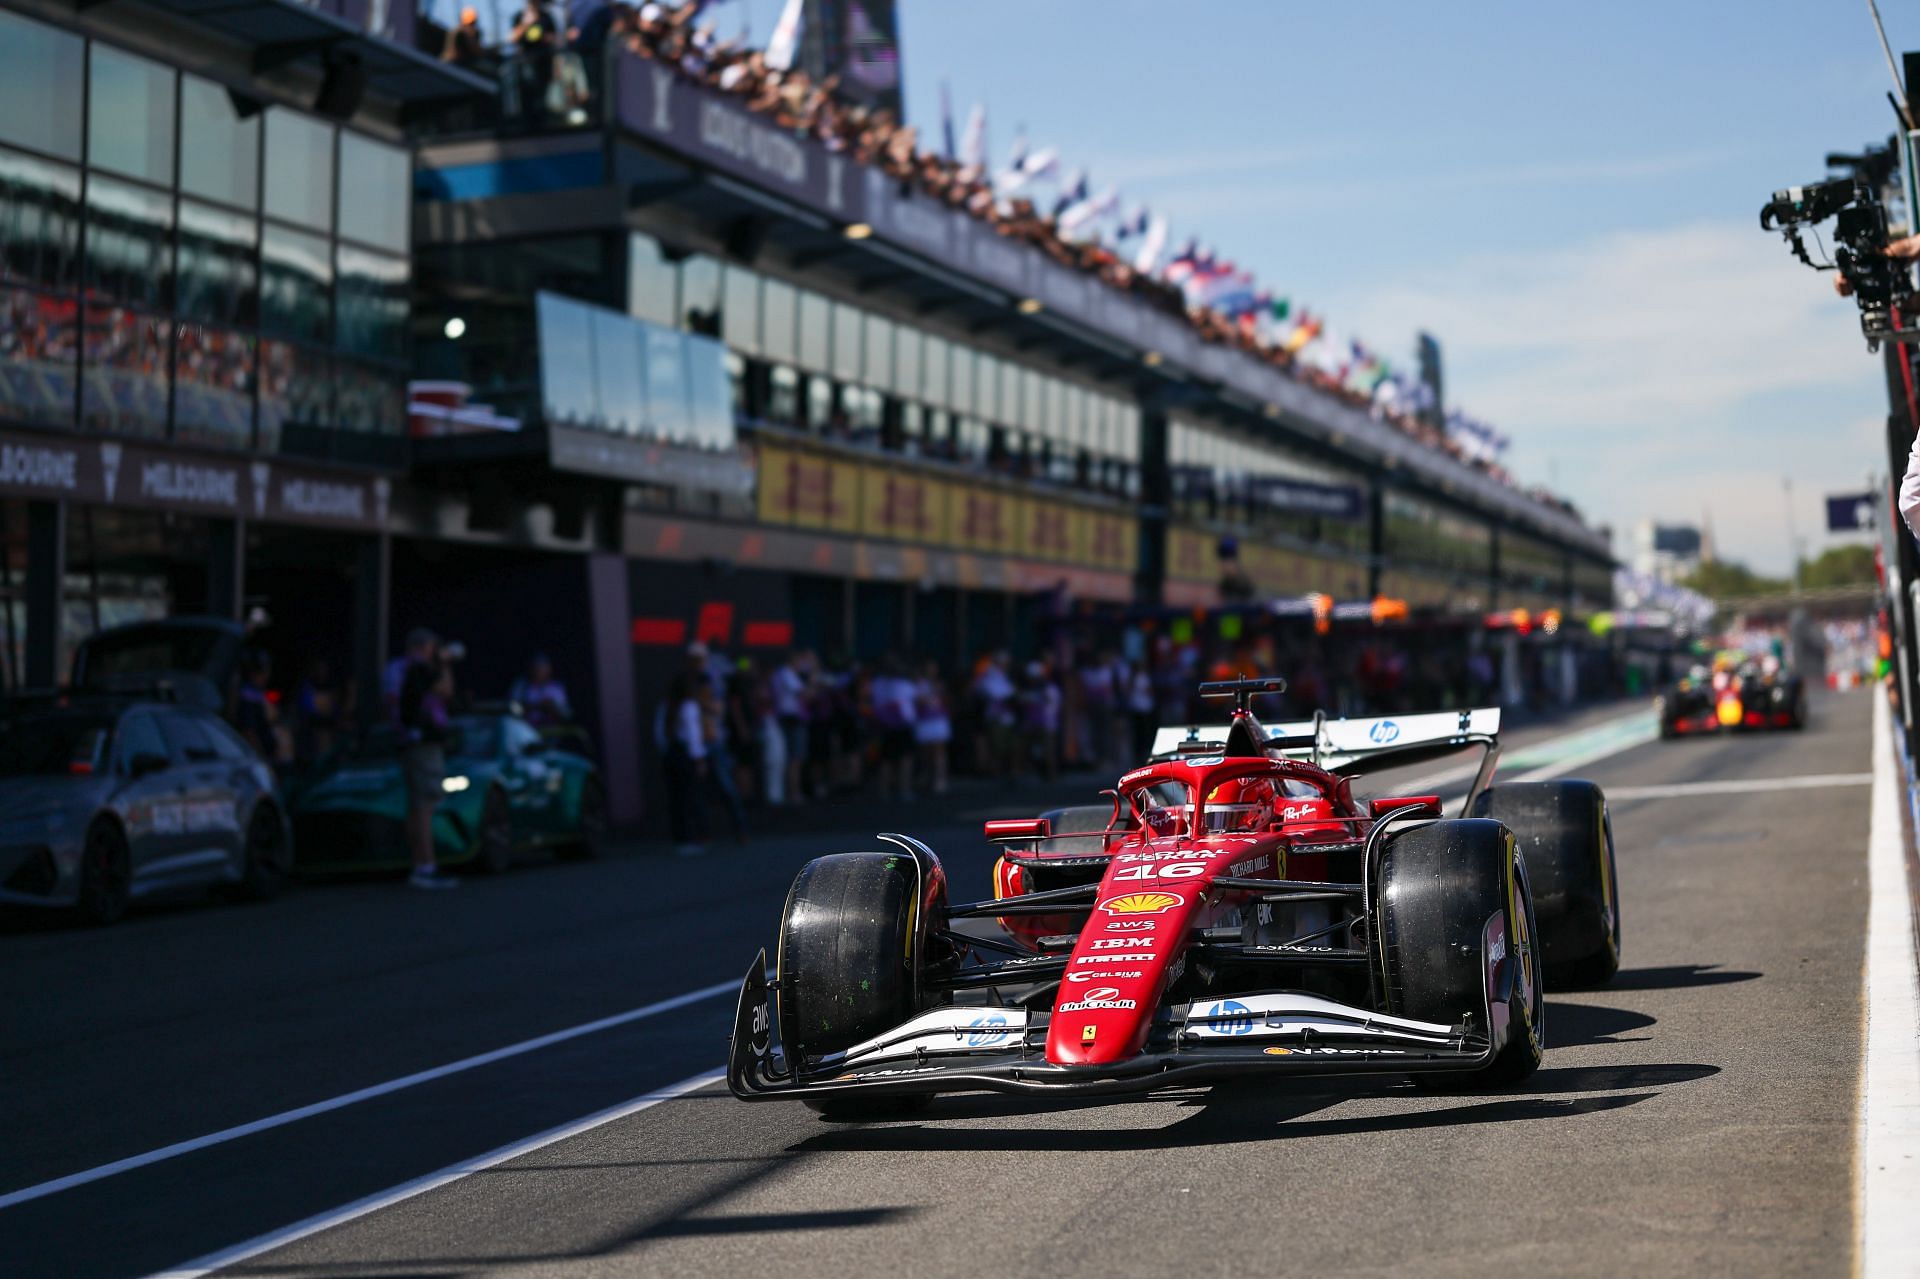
x=147, y=762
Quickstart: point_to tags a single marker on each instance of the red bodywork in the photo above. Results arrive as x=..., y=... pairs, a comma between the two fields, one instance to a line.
x=1160, y=885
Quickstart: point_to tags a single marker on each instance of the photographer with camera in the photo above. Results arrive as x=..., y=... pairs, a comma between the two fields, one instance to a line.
x=1905, y=249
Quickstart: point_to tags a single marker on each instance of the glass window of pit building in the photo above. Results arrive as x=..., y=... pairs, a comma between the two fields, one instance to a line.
x=190, y=257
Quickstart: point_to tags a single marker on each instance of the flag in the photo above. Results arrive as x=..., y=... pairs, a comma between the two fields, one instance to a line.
x=1152, y=247
x=1085, y=214
x=1072, y=193
x=1280, y=307
x=784, y=44
x=1231, y=294
x=946, y=123
x=973, y=143
x=1183, y=263
x=1303, y=333
x=1849, y=512
x=1029, y=166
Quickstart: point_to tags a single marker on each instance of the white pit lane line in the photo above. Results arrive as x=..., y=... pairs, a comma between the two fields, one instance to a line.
x=45, y=1188
x=213, y=1261
x=1738, y=786
x=1887, y=1174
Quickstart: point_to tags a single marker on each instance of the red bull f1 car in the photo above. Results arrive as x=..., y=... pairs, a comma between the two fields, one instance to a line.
x=1736, y=693
x=1238, y=911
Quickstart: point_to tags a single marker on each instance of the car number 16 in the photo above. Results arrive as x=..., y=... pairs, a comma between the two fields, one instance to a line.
x=1178, y=870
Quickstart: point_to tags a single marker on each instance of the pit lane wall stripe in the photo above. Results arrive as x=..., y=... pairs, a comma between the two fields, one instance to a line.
x=1887, y=1172
x=285, y=1117
x=213, y=1261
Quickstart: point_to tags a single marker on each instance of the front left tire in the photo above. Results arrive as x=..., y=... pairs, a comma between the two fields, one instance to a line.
x=849, y=963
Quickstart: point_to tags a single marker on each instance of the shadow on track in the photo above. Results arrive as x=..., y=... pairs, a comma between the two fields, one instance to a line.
x=1235, y=1118
x=1559, y=1079
x=1677, y=977
x=1580, y=1025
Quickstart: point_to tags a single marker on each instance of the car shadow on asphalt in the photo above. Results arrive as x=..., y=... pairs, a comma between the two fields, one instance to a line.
x=1227, y=1116
x=1677, y=977
x=1581, y=1025
x=1246, y=1111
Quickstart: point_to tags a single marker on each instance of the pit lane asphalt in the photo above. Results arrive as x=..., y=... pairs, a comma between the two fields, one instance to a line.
x=1694, y=1117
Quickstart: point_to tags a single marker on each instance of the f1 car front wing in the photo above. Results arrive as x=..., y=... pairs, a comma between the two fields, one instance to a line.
x=978, y=1048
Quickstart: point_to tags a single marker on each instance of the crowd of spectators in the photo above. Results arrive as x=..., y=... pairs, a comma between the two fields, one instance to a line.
x=736, y=737
x=793, y=100
x=556, y=63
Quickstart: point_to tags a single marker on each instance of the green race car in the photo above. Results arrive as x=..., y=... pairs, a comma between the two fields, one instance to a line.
x=509, y=788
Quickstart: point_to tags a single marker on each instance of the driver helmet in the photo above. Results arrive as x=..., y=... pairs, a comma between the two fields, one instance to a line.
x=1244, y=804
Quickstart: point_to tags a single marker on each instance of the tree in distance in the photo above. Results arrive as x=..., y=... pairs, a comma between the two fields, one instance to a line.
x=1836, y=566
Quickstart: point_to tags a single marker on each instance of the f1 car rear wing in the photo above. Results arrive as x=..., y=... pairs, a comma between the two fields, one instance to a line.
x=1344, y=745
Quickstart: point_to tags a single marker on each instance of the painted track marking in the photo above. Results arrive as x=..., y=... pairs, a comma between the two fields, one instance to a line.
x=1887, y=1174
x=1739, y=786
x=178, y=1148
x=202, y=1266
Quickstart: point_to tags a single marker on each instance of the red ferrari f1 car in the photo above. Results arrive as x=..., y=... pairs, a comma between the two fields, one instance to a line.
x=1236, y=911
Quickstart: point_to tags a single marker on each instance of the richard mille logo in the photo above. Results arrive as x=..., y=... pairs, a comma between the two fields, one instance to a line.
x=109, y=468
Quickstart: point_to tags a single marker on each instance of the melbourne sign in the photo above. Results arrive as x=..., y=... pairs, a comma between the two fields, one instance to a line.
x=113, y=473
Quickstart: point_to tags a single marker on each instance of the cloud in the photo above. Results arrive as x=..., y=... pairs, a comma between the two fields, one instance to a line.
x=1661, y=372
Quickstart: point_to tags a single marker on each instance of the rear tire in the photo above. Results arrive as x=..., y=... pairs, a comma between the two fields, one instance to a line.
x=1565, y=835
x=106, y=875
x=1442, y=889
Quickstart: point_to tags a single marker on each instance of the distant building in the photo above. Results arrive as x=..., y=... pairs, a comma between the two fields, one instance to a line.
x=1667, y=552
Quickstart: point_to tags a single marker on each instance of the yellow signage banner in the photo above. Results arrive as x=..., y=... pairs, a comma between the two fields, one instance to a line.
x=801, y=488
x=1047, y=530
x=1190, y=556
x=902, y=506
x=808, y=491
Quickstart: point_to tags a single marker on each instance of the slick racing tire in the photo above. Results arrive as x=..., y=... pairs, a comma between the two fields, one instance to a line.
x=1799, y=713
x=850, y=960
x=1668, y=730
x=1565, y=835
x=1446, y=892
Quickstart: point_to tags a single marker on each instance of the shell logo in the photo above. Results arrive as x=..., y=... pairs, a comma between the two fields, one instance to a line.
x=1140, y=904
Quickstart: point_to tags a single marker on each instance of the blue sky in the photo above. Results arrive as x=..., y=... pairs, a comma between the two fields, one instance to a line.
x=1565, y=195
